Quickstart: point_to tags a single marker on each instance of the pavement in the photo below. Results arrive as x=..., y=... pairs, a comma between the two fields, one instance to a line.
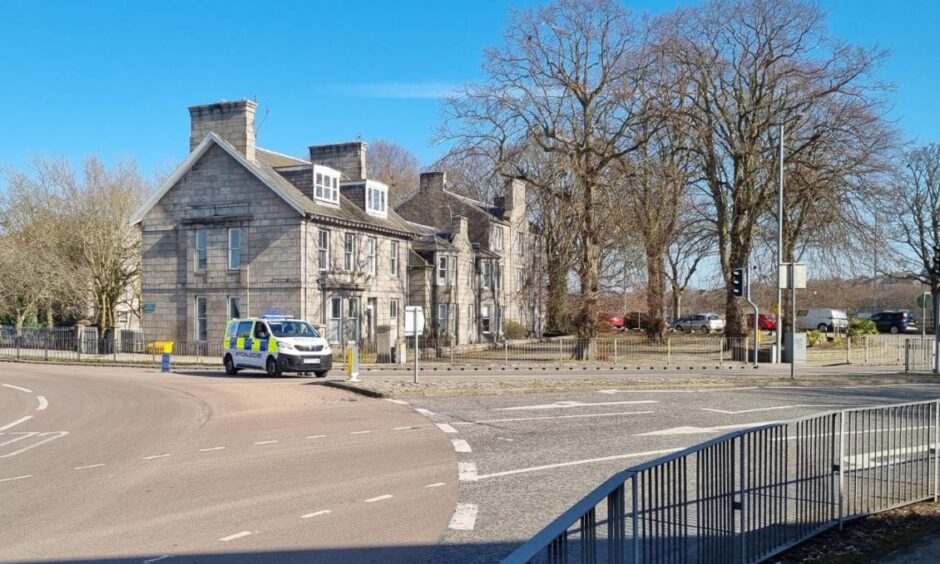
x=130, y=465
x=923, y=551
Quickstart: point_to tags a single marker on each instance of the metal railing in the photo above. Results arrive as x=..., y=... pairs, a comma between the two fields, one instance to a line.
x=751, y=494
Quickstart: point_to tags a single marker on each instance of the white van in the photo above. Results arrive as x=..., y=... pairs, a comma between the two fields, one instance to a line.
x=824, y=320
x=275, y=345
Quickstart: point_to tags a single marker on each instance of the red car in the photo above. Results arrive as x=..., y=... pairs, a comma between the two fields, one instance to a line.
x=615, y=321
x=765, y=322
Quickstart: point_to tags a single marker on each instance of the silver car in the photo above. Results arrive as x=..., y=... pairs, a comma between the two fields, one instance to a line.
x=704, y=322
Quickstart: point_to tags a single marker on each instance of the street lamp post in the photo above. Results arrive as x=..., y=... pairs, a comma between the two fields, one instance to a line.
x=780, y=255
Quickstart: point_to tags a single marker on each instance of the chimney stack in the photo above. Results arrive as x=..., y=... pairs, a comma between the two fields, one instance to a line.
x=458, y=226
x=514, y=198
x=433, y=182
x=232, y=121
x=348, y=158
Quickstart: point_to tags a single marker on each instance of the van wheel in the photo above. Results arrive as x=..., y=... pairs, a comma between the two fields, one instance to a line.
x=823, y=328
x=230, y=366
x=894, y=330
x=322, y=374
x=271, y=367
x=705, y=329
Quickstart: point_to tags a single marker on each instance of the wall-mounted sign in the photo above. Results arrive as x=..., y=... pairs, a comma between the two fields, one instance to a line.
x=150, y=307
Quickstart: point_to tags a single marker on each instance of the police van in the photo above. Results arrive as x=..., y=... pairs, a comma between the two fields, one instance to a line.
x=275, y=345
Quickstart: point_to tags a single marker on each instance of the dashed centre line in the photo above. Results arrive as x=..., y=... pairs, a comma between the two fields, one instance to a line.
x=446, y=428
x=570, y=404
x=577, y=416
x=155, y=456
x=359, y=432
x=379, y=498
x=235, y=536
x=157, y=559
x=23, y=477
x=315, y=437
x=89, y=466
x=211, y=449
x=435, y=485
x=405, y=428
x=23, y=419
x=12, y=387
x=266, y=442
x=315, y=514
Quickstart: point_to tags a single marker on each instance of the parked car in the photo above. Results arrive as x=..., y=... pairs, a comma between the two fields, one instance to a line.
x=895, y=322
x=615, y=321
x=704, y=322
x=822, y=319
x=636, y=320
x=765, y=322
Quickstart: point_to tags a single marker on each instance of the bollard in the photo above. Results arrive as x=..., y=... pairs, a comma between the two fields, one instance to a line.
x=668, y=352
x=352, y=366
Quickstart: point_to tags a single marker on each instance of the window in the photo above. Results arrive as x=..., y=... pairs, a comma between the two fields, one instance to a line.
x=376, y=195
x=441, y=270
x=326, y=184
x=370, y=249
x=234, y=248
x=349, y=250
x=261, y=331
x=487, y=274
x=244, y=329
x=453, y=271
x=442, y=319
x=324, y=249
x=393, y=309
x=393, y=259
x=497, y=239
x=520, y=280
x=202, y=323
x=234, y=309
x=202, y=254
x=520, y=243
x=485, y=318
x=336, y=319
x=232, y=330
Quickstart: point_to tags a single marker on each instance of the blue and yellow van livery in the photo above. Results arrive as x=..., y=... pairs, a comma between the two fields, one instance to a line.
x=275, y=345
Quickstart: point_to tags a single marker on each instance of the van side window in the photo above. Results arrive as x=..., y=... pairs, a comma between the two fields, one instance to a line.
x=244, y=329
x=802, y=313
x=261, y=331
x=232, y=330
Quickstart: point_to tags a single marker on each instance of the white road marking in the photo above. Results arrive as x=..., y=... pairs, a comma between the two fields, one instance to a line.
x=12, y=387
x=235, y=536
x=435, y=485
x=700, y=430
x=576, y=463
x=379, y=498
x=359, y=432
x=266, y=442
x=460, y=445
x=22, y=435
x=465, y=517
x=570, y=404
x=405, y=428
x=211, y=449
x=89, y=466
x=16, y=478
x=157, y=559
x=467, y=472
x=446, y=428
x=23, y=419
x=580, y=415
x=628, y=391
x=398, y=401
x=315, y=514
x=755, y=410
x=425, y=412
x=50, y=436
x=43, y=404
x=315, y=437
x=155, y=456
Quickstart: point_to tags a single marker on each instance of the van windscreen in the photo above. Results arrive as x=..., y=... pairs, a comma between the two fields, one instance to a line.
x=292, y=329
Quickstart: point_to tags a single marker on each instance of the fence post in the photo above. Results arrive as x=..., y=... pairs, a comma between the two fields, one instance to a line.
x=45, y=355
x=742, y=503
x=452, y=352
x=615, y=350
x=866, y=349
x=668, y=351
x=636, y=520
x=936, y=448
x=16, y=341
x=907, y=355
x=899, y=349
x=721, y=351
x=506, y=350
x=848, y=350
x=841, y=467
x=561, y=350
x=747, y=349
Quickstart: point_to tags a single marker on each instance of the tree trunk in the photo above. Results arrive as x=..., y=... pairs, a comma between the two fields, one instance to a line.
x=656, y=294
x=676, y=303
x=589, y=276
x=557, y=318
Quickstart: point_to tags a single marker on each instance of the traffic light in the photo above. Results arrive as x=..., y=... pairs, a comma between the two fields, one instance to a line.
x=738, y=282
x=935, y=268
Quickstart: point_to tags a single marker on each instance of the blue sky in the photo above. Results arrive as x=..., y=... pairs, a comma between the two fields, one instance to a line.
x=114, y=77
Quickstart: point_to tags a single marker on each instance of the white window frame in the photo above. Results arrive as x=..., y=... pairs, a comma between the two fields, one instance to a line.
x=376, y=195
x=442, y=317
x=371, y=245
x=393, y=258
x=393, y=308
x=497, y=238
x=234, y=307
x=201, y=254
x=520, y=243
x=485, y=321
x=201, y=321
x=349, y=252
x=326, y=185
x=487, y=268
x=234, y=252
x=442, y=269
x=520, y=279
x=453, y=271
x=323, y=248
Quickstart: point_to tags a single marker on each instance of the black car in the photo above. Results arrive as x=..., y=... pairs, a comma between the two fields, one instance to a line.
x=895, y=322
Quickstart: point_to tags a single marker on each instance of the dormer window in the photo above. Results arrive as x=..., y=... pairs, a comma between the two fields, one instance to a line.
x=376, y=198
x=326, y=184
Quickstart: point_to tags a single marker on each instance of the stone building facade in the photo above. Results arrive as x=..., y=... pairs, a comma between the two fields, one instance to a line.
x=239, y=230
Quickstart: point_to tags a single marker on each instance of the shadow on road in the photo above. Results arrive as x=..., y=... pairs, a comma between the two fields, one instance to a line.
x=451, y=553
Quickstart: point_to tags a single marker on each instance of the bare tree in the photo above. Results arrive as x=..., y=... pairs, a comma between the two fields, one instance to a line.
x=918, y=213
x=694, y=242
x=566, y=78
x=396, y=166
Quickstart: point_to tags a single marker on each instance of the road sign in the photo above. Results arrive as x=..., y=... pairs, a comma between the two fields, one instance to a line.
x=795, y=271
x=414, y=315
x=150, y=307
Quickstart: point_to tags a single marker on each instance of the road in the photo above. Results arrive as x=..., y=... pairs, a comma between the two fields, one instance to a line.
x=130, y=465
x=524, y=459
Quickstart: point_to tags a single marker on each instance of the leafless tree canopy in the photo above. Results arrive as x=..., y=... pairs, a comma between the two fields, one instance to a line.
x=396, y=166
x=917, y=214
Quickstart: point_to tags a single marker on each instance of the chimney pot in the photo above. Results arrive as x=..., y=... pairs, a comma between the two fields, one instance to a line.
x=348, y=158
x=232, y=121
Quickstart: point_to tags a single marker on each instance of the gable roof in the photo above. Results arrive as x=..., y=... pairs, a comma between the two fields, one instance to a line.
x=279, y=188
